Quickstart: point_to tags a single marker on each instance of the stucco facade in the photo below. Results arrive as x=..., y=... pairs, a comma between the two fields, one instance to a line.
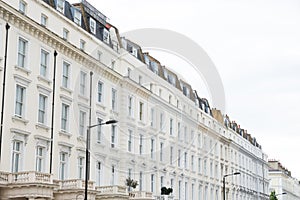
x=281, y=181
x=165, y=136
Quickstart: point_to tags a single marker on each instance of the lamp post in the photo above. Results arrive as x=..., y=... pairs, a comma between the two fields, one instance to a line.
x=236, y=173
x=87, y=153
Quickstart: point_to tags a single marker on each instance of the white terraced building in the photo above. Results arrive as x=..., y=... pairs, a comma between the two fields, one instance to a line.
x=166, y=136
x=281, y=181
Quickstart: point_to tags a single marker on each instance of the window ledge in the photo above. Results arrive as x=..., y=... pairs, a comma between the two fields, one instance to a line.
x=98, y=104
x=20, y=119
x=83, y=97
x=113, y=112
x=115, y=149
x=66, y=90
x=81, y=138
x=100, y=144
x=42, y=126
x=44, y=79
x=22, y=69
x=142, y=123
x=65, y=133
x=130, y=118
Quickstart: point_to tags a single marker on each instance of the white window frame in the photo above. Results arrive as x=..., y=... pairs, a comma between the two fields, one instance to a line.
x=100, y=92
x=141, y=141
x=113, y=136
x=130, y=142
x=80, y=167
x=99, y=173
x=40, y=158
x=141, y=111
x=44, y=20
x=82, y=123
x=152, y=148
x=60, y=6
x=22, y=6
x=153, y=183
x=42, y=110
x=113, y=175
x=65, y=117
x=185, y=160
x=171, y=126
x=22, y=53
x=99, y=131
x=63, y=165
x=65, y=34
x=141, y=181
x=161, y=121
x=20, y=101
x=199, y=165
x=130, y=106
x=161, y=155
x=77, y=17
x=82, y=44
x=92, y=25
x=17, y=156
x=105, y=36
x=113, y=99
x=82, y=84
x=179, y=158
x=171, y=155
x=44, y=63
x=193, y=163
x=66, y=74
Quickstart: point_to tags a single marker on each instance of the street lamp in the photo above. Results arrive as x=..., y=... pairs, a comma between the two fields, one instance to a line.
x=87, y=153
x=236, y=173
x=281, y=194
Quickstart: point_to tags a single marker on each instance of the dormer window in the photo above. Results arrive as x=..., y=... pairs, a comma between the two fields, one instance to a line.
x=77, y=17
x=60, y=6
x=93, y=26
x=171, y=79
x=132, y=51
x=106, y=36
x=147, y=61
x=186, y=91
x=154, y=67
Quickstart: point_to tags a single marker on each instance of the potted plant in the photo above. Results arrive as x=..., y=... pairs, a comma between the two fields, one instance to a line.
x=131, y=184
x=166, y=191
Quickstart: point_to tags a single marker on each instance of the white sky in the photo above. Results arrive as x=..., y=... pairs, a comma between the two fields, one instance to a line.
x=255, y=45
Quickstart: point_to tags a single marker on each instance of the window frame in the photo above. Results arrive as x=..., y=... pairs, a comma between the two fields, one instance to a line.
x=42, y=110
x=22, y=53
x=44, y=20
x=93, y=25
x=20, y=102
x=40, y=159
x=65, y=118
x=83, y=83
x=66, y=74
x=44, y=64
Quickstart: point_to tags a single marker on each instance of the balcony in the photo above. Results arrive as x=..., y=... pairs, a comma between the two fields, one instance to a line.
x=25, y=178
x=26, y=184
x=140, y=195
x=164, y=197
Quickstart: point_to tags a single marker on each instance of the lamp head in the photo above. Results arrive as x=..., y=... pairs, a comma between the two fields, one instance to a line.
x=111, y=121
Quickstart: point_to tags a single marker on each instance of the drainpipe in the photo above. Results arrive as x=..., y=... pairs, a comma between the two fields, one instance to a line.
x=3, y=89
x=52, y=120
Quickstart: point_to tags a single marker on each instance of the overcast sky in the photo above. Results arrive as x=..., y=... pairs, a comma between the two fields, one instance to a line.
x=255, y=46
